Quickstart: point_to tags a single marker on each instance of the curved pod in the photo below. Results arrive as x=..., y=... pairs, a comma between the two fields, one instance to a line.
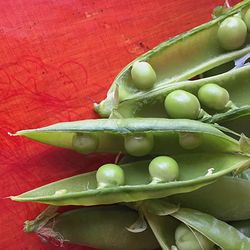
x=194, y=173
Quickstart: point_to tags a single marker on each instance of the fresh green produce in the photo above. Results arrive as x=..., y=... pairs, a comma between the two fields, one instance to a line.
x=137, y=137
x=204, y=47
x=185, y=182
x=195, y=171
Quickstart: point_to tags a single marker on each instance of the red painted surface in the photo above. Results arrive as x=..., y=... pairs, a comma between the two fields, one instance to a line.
x=57, y=57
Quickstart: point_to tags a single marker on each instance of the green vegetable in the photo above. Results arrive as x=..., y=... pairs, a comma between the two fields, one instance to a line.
x=143, y=75
x=194, y=173
x=227, y=199
x=213, y=96
x=235, y=82
x=182, y=104
x=120, y=135
x=247, y=19
x=110, y=175
x=190, y=141
x=139, y=144
x=85, y=143
x=232, y=33
x=178, y=59
x=163, y=169
x=98, y=227
x=187, y=239
x=166, y=219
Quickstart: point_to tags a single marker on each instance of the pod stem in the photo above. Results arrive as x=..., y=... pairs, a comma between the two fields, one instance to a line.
x=41, y=220
x=203, y=114
x=231, y=105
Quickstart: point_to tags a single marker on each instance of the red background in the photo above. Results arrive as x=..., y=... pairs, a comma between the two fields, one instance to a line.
x=56, y=58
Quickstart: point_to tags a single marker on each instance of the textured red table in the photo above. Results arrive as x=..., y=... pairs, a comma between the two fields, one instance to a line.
x=57, y=57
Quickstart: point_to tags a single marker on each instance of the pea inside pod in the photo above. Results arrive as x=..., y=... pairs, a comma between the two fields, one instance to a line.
x=181, y=58
x=214, y=232
x=188, y=239
x=232, y=33
x=228, y=90
x=137, y=137
x=194, y=173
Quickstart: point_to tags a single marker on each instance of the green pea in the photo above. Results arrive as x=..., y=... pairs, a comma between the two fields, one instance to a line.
x=189, y=140
x=213, y=96
x=247, y=19
x=85, y=143
x=139, y=144
x=110, y=175
x=232, y=33
x=182, y=104
x=163, y=169
x=143, y=75
x=185, y=239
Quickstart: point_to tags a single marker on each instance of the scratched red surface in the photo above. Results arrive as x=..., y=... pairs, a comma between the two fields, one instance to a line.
x=56, y=58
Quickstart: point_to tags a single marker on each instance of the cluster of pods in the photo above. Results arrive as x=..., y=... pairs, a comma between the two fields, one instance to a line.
x=183, y=182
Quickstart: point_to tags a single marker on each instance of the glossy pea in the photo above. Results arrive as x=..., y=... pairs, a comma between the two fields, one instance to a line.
x=139, y=144
x=213, y=96
x=232, y=33
x=85, y=143
x=182, y=104
x=187, y=239
x=110, y=175
x=143, y=75
x=163, y=169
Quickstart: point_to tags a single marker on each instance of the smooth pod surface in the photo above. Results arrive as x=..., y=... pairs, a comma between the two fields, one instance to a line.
x=217, y=231
x=227, y=199
x=97, y=227
x=194, y=172
x=111, y=134
x=159, y=213
x=178, y=59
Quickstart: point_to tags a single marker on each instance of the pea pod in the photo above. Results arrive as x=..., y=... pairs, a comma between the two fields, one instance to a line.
x=151, y=103
x=98, y=227
x=227, y=199
x=195, y=172
x=219, y=232
x=243, y=226
x=163, y=135
x=177, y=59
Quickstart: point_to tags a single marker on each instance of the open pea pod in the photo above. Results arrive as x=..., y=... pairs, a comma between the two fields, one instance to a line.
x=227, y=199
x=162, y=136
x=151, y=103
x=220, y=233
x=97, y=227
x=177, y=59
x=195, y=171
x=217, y=231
